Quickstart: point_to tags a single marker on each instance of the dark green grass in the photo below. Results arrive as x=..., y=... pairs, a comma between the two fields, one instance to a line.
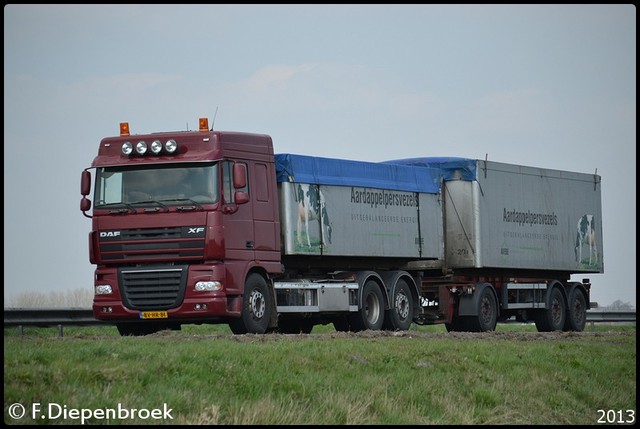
x=205, y=375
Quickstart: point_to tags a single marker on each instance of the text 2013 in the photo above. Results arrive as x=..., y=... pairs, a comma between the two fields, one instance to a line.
x=616, y=416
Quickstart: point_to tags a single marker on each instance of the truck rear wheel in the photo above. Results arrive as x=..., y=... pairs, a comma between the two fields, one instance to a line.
x=256, y=307
x=576, y=311
x=553, y=317
x=371, y=314
x=400, y=315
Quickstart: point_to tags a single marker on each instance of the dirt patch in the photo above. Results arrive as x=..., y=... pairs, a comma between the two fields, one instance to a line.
x=507, y=336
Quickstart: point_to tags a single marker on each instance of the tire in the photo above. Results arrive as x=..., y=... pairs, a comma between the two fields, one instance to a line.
x=487, y=316
x=371, y=314
x=553, y=317
x=256, y=307
x=400, y=315
x=576, y=311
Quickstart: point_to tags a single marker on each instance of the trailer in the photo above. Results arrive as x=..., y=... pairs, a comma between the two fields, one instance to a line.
x=513, y=237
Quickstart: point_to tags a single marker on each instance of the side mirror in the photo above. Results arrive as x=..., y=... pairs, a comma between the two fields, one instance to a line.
x=241, y=197
x=85, y=204
x=239, y=175
x=85, y=183
x=85, y=188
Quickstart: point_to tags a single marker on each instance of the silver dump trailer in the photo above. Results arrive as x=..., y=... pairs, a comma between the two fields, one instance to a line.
x=457, y=241
x=348, y=228
x=514, y=217
x=343, y=208
x=513, y=236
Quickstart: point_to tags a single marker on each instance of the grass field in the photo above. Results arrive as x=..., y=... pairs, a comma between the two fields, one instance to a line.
x=206, y=375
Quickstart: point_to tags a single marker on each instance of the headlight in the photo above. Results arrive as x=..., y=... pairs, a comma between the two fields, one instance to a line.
x=208, y=286
x=103, y=289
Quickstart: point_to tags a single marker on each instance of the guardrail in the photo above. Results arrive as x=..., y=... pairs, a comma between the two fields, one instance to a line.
x=610, y=316
x=49, y=317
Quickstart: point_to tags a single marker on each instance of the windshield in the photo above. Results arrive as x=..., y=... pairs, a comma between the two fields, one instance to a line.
x=149, y=185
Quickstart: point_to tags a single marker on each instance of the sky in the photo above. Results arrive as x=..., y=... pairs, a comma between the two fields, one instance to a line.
x=551, y=86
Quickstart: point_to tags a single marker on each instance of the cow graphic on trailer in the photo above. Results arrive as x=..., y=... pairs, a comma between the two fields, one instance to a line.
x=586, y=236
x=311, y=206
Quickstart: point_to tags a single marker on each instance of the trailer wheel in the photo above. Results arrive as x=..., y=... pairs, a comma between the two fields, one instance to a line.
x=256, y=307
x=553, y=317
x=487, y=317
x=576, y=311
x=371, y=314
x=400, y=315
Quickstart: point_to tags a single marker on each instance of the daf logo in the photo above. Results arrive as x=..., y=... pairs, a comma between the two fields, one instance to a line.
x=110, y=234
x=197, y=230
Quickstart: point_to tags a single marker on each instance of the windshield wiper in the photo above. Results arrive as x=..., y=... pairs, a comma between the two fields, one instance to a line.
x=129, y=208
x=155, y=209
x=194, y=205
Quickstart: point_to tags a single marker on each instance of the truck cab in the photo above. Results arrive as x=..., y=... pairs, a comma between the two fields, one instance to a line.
x=178, y=219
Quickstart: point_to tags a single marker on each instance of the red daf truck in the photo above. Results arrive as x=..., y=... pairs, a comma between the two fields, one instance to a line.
x=211, y=226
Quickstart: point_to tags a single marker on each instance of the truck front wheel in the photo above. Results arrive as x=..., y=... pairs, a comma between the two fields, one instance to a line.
x=256, y=307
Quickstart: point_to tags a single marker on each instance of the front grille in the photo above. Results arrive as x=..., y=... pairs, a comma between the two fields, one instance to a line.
x=153, y=288
x=152, y=244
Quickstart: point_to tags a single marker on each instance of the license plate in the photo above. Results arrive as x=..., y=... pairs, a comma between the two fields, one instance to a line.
x=154, y=315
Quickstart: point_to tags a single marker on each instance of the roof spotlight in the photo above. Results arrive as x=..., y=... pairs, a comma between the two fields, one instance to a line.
x=141, y=147
x=156, y=147
x=127, y=148
x=171, y=146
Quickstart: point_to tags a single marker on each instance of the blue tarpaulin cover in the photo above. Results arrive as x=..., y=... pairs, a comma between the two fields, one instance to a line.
x=451, y=168
x=342, y=172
